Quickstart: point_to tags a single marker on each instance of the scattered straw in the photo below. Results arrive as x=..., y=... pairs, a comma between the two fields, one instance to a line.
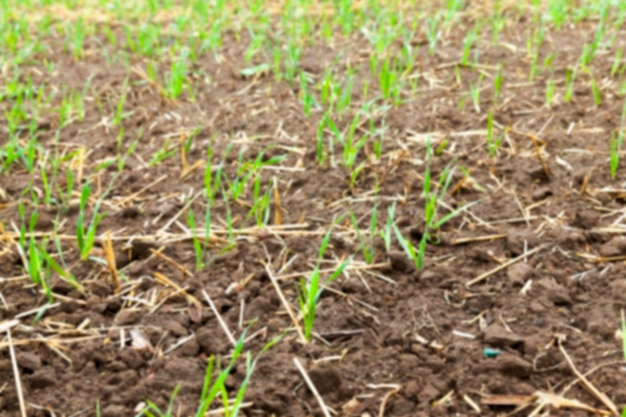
x=383, y=404
x=278, y=213
x=166, y=281
x=600, y=396
x=463, y=240
x=109, y=255
x=219, y=318
x=311, y=386
x=504, y=266
x=6, y=326
x=293, y=316
x=160, y=255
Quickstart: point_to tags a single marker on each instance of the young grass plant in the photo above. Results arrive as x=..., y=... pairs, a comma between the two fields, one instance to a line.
x=86, y=234
x=200, y=245
x=38, y=263
x=216, y=390
x=617, y=139
x=432, y=203
x=310, y=290
x=367, y=245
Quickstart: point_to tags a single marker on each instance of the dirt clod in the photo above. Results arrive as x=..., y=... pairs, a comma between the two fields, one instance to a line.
x=519, y=273
x=326, y=379
x=29, y=361
x=497, y=336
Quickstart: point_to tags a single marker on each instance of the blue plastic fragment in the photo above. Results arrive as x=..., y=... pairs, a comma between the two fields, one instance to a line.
x=491, y=353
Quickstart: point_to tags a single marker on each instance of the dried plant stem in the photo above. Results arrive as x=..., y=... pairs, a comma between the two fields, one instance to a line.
x=600, y=396
x=505, y=265
x=16, y=374
x=219, y=318
x=290, y=311
x=311, y=386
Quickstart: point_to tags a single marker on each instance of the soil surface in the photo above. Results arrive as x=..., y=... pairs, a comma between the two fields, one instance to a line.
x=534, y=271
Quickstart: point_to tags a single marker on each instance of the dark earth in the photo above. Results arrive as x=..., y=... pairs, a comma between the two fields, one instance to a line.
x=390, y=340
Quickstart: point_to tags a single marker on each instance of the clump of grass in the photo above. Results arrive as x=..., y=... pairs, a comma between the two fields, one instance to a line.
x=310, y=290
x=617, y=139
x=86, y=233
x=212, y=390
x=432, y=203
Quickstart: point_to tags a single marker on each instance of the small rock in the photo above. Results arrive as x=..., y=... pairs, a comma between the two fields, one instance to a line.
x=538, y=174
x=130, y=212
x=113, y=410
x=101, y=288
x=497, y=336
x=536, y=307
x=326, y=379
x=429, y=394
x=206, y=340
x=190, y=348
x=618, y=289
x=402, y=407
x=586, y=219
x=127, y=317
x=515, y=240
x=352, y=286
x=28, y=360
x=509, y=364
x=43, y=378
x=141, y=250
x=557, y=294
x=428, y=275
x=183, y=369
x=69, y=307
x=398, y=261
x=602, y=328
x=519, y=273
x=132, y=358
x=571, y=239
x=541, y=193
x=614, y=247
x=175, y=328
x=62, y=287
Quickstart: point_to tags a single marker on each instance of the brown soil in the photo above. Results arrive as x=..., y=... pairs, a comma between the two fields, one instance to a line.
x=388, y=337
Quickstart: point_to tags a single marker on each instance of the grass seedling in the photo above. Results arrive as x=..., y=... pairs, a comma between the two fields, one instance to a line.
x=38, y=263
x=175, y=82
x=570, y=77
x=533, y=65
x=308, y=101
x=86, y=235
x=389, y=226
x=31, y=256
x=617, y=138
x=367, y=247
x=468, y=42
x=596, y=91
x=119, y=108
x=166, y=151
x=616, y=146
x=497, y=84
x=475, y=93
x=216, y=390
x=432, y=203
x=432, y=34
x=200, y=246
x=490, y=141
x=310, y=290
x=261, y=204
